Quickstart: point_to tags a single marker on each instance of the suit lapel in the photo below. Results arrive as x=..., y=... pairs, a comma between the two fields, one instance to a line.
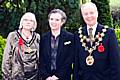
x=86, y=34
x=98, y=29
x=85, y=31
x=60, y=44
x=48, y=44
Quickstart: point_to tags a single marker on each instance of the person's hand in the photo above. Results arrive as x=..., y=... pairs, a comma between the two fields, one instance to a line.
x=49, y=78
x=54, y=77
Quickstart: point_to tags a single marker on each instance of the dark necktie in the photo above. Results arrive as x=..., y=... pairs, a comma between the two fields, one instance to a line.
x=54, y=46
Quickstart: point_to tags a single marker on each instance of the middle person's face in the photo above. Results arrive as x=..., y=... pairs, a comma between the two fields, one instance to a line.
x=55, y=21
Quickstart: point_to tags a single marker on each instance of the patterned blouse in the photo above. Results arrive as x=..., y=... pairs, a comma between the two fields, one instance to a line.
x=20, y=59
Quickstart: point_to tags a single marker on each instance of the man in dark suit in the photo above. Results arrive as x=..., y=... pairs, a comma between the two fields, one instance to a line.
x=57, y=49
x=98, y=55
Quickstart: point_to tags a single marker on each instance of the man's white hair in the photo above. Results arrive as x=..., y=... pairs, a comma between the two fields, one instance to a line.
x=89, y=4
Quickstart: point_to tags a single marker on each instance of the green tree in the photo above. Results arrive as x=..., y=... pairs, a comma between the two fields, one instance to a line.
x=105, y=17
x=12, y=10
x=70, y=7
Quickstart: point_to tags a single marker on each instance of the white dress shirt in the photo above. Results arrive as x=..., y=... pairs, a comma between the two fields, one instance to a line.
x=93, y=27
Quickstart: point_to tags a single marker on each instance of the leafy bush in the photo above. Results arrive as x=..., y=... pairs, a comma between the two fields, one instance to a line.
x=116, y=16
x=117, y=31
x=2, y=45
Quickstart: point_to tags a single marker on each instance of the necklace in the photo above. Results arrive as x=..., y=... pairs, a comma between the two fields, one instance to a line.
x=84, y=39
x=26, y=36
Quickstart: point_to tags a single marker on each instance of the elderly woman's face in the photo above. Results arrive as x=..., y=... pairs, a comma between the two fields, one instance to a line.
x=55, y=21
x=90, y=15
x=28, y=23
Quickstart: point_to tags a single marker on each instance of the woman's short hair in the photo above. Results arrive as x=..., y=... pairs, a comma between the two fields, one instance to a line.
x=32, y=16
x=64, y=17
